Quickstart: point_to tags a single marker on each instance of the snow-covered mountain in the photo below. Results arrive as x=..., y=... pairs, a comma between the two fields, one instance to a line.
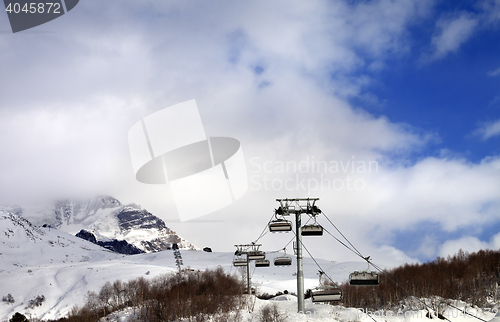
x=47, y=272
x=106, y=218
x=36, y=261
x=23, y=244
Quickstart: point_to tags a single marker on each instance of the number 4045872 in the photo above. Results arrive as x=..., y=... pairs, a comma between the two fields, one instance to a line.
x=34, y=7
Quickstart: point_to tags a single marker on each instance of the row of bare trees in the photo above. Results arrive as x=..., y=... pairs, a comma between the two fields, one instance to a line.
x=470, y=277
x=169, y=297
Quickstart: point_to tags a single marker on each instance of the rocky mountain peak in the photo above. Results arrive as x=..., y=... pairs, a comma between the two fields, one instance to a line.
x=130, y=217
x=13, y=226
x=74, y=212
x=108, y=219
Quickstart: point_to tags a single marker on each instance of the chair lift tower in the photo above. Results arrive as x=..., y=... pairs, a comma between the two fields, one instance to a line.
x=252, y=252
x=299, y=206
x=177, y=256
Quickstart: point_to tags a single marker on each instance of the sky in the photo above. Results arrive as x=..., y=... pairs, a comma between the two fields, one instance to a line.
x=388, y=111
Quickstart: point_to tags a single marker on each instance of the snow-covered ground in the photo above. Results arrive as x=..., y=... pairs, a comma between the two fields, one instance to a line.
x=287, y=308
x=38, y=261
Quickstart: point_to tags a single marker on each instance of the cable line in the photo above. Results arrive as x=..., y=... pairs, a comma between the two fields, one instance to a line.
x=319, y=266
x=264, y=231
x=356, y=278
x=342, y=243
x=331, y=280
x=291, y=240
x=358, y=252
x=383, y=271
x=389, y=274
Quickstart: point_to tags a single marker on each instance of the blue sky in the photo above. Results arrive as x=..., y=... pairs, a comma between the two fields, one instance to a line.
x=412, y=85
x=453, y=96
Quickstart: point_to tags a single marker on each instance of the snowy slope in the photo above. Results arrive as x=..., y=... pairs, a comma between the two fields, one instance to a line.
x=35, y=261
x=38, y=261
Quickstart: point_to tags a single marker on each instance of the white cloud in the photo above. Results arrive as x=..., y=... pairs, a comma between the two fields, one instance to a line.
x=100, y=72
x=492, y=10
x=390, y=256
x=495, y=72
x=468, y=244
x=69, y=98
x=489, y=130
x=453, y=193
x=427, y=247
x=452, y=32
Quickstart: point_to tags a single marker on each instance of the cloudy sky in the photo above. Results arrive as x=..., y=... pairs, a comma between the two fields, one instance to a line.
x=388, y=111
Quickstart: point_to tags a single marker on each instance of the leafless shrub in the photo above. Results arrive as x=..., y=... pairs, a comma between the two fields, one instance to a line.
x=271, y=313
x=470, y=277
x=194, y=295
x=8, y=299
x=37, y=301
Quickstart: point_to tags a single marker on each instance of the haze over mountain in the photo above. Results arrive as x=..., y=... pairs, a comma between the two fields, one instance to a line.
x=107, y=219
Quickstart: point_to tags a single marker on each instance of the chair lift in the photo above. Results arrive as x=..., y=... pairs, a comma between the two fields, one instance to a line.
x=283, y=260
x=312, y=230
x=364, y=278
x=279, y=224
x=326, y=293
x=240, y=261
x=262, y=263
x=256, y=255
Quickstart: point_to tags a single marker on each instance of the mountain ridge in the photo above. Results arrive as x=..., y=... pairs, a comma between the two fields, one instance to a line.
x=108, y=219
